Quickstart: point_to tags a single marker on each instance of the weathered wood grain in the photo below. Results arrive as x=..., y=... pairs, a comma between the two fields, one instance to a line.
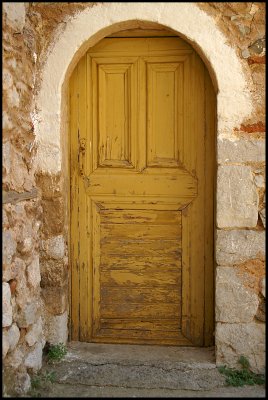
x=140, y=233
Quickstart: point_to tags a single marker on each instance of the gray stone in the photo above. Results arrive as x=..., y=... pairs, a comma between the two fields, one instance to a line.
x=7, y=79
x=139, y=366
x=13, y=97
x=237, y=246
x=262, y=214
x=27, y=315
x=14, y=270
x=13, y=336
x=5, y=222
x=55, y=247
x=5, y=343
x=9, y=247
x=83, y=390
x=141, y=371
x=34, y=334
x=56, y=328
x=15, y=358
x=22, y=383
x=242, y=303
x=7, y=308
x=244, y=30
x=235, y=340
x=6, y=121
x=241, y=151
x=33, y=272
x=245, y=53
x=15, y=13
x=26, y=245
x=6, y=162
x=259, y=181
x=258, y=46
x=34, y=358
x=237, y=197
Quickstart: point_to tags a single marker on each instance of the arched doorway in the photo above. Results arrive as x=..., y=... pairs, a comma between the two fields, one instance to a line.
x=142, y=134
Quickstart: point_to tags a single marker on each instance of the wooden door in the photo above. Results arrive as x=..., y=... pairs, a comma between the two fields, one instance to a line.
x=142, y=151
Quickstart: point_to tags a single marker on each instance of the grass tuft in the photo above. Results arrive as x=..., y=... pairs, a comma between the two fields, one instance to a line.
x=241, y=377
x=56, y=352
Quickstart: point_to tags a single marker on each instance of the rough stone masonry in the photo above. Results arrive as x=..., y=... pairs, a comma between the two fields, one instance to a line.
x=35, y=237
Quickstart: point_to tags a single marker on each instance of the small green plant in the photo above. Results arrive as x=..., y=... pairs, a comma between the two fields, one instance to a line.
x=56, y=352
x=40, y=382
x=241, y=377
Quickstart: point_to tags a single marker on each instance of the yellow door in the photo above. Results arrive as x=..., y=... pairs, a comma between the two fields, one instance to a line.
x=142, y=153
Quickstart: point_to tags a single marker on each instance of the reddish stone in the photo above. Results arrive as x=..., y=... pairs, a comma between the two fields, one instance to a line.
x=257, y=60
x=257, y=127
x=12, y=284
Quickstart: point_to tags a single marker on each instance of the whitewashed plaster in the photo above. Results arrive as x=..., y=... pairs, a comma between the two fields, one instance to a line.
x=83, y=31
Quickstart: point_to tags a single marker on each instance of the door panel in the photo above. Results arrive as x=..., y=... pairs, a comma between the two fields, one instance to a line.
x=138, y=189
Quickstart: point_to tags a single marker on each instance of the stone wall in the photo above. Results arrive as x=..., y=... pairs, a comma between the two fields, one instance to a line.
x=22, y=311
x=240, y=216
x=35, y=219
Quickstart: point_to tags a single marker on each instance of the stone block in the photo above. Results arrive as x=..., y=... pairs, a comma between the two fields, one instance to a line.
x=6, y=162
x=15, y=13
x=5, y=222
x=22, y=383
x=50, y=184
x=7, y=122
x=53, y=222
x=55, y=247
x=20, y=178
x=5, y=343
x=24, y=295
x=14, y=358
x=34, y=359
x=242, y=303
x=7, y=308
x=55, y=299
x=259, y=181
x=14, y=270
x=27, y=315
x=53, y=273
x=15, y=383
x=241, y=151
x=56, y=328
x=33, y=272
x=34, y=333
x=237, y=197
x=235, y=340
x=9, y=247
x=237, y=246
x=13, y=336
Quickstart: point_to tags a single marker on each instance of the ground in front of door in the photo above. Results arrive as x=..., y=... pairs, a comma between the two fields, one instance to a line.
x=108, y=370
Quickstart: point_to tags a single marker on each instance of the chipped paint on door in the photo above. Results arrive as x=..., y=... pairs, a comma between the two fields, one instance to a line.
x=142, y=160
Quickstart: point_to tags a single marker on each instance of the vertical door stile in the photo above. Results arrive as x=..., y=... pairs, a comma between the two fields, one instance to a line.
x=75, y=303
x=83, y=256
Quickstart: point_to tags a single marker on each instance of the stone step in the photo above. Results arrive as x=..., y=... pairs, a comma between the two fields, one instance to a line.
x=132, y=366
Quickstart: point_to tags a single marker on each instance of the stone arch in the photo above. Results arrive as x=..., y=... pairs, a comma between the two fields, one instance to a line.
x=86, y=28
x=89, y=26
